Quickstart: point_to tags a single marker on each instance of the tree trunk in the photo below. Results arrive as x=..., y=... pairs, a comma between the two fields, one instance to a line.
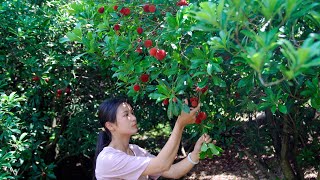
x=275, y=132
x=297, y=167
x=284, y=160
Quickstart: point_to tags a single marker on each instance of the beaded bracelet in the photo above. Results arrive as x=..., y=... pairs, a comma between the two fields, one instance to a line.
x=190, y=160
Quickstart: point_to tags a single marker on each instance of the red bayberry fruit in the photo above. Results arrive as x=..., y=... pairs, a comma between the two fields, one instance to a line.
x=147, y=43
x=237, y=95
x=101, y=10
x=153, y=51
x=59, y=91
x=115, y=7
x=46, y=79
x=174, y=99
x=193, y=99
x=68, y=90
x=161, y=54
x=203, y=90
x=146, y=8
x=165, y=102
x=194, y=103
x=144, y=77
x=139, y=50
x=116, y=27
x=136, y=87
x=35, y=78
x=182, y=3
x=198, y=120
x=125, y=11
x=139, y=30
x=152, y=8
x=43, y=174
x=202, y=115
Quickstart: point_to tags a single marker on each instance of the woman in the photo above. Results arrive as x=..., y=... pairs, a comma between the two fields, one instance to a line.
x=116, y=158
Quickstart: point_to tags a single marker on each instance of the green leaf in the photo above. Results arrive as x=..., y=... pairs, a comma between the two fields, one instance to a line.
x=203, y=83
x=218, y=81
x=245, y=82
x=213, y=149
x=23, y=135
x=198, y=74
x=185, y=108
x=263, y=106
x=64, y=39
x=158, y=97
x=204, y=147
x=195, y=63
x=283, y=109
x=273, y=109
x=171, y=21
x=162, y=89
x=314, y=62
x=176, y=109
x=213, y=67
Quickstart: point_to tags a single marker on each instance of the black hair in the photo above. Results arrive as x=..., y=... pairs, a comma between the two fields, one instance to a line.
x=107, y=112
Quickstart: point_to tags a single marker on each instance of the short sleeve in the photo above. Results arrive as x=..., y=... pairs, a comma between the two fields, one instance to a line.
x=142, y=152
x=114, y=164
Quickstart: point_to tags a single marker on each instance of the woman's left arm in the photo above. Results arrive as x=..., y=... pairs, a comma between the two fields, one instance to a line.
x=181, y=168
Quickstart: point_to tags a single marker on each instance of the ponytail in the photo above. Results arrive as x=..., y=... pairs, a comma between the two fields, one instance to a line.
x=103, y=140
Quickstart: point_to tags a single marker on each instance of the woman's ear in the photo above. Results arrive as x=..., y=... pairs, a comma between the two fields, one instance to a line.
x=110, y=126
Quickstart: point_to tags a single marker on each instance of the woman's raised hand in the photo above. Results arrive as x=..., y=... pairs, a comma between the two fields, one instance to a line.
x=205, y=138
x=188, y=118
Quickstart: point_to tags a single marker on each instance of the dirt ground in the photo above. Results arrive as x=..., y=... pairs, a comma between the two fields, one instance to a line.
x=229, y=166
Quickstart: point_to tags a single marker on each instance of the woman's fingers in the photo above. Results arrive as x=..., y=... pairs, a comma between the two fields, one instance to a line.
x=196, y=109
x=206, y=138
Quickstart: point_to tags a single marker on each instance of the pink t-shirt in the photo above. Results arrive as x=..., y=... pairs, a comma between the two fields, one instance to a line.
x=113, y=164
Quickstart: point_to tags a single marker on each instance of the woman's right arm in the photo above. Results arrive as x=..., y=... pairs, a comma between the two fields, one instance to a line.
x=165, y=158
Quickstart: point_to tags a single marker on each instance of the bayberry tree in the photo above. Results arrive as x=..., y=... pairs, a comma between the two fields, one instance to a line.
x=235, y=57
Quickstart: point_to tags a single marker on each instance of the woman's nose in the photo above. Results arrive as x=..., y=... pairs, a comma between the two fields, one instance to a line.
x=133, y=118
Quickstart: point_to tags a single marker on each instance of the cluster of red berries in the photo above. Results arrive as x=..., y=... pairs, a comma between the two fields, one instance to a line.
x=159, y=54
x=60, y=91
x=200, y=117
x=194, y=103
x=202, y=90
x=125, y=11
x=182, y=3
x=149, y=8
x=144, y=78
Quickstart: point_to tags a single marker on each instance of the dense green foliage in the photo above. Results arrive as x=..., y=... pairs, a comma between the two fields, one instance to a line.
x=59, y=60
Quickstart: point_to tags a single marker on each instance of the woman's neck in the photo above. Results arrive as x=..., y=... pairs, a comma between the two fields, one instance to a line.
x=121, y=144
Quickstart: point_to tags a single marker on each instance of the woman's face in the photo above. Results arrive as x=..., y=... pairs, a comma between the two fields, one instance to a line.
x=126, y=120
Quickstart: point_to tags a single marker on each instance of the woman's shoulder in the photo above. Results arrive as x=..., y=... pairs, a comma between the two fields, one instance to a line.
x=109, y=153
x=139, y=151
